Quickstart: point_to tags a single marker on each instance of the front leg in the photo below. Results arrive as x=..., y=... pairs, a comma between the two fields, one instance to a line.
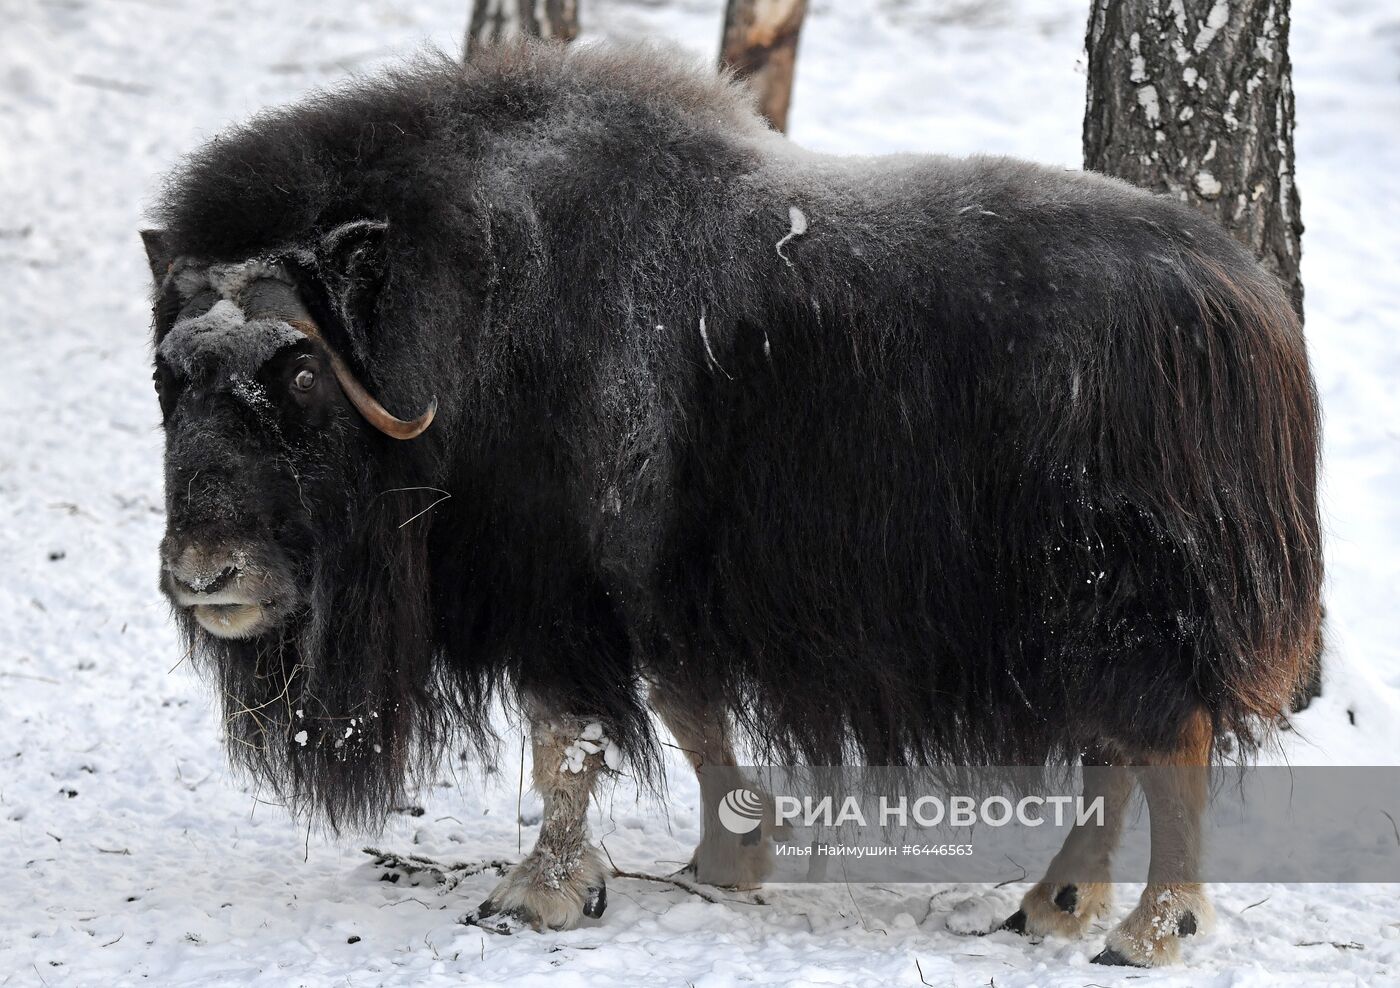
x=562, y=879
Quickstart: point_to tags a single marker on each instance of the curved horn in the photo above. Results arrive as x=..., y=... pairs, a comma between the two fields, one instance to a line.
x=274, y=297
x=365, y=403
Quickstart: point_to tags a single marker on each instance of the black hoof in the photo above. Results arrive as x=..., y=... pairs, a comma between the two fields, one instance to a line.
x=1016, y=922
x=1112, y=958
x=487, y=918
x=596, y=901
x=1068, y=899
x=1186, y=925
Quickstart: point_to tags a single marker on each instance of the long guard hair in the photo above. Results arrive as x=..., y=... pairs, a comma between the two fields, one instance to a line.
x=908, y=459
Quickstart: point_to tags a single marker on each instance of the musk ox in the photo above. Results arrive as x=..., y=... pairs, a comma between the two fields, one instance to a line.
x=559, y=378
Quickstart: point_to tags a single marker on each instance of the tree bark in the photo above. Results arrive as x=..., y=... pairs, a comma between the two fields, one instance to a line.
x=1194, y=98
x=760, y=44
x=493, y=21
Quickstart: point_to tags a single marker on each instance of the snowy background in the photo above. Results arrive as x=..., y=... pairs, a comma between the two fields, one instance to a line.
x=129, y=854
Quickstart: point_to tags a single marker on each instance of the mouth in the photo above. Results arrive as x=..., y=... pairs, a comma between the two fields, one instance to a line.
x=226, y=614
x=232, y=591
x=242, y=620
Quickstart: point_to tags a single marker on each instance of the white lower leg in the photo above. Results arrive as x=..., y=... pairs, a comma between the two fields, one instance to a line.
x=562, y=879
x=1174, y=904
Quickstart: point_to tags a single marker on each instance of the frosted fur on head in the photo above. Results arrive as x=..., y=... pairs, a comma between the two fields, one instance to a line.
x=226, y=280
x=221, y=334
x=223, y=337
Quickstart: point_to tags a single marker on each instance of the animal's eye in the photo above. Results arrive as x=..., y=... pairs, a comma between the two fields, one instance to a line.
x=166, y=388
x=304, y=380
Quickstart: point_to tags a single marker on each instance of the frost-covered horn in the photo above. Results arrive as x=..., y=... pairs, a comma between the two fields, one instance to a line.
x=270, y=297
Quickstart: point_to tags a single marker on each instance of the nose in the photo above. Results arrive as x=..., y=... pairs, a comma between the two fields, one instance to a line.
x=201, y=571
x=213, y=584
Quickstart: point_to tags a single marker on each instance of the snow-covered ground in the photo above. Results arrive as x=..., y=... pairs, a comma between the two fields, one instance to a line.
x=129, y=854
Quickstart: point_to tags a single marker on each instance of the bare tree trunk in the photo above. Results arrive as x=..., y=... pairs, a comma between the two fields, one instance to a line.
x=760, y=44
x=1194, y=98
x=493, y=21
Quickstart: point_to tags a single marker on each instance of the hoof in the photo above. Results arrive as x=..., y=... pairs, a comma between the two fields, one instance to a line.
x=1051, y=909
x=727, y=862
x=543, y=894
x=1016, y=922
x=595, y=901
x=487, y=917
x=1068, y=898
x=1151, y=935
x=1112, y=958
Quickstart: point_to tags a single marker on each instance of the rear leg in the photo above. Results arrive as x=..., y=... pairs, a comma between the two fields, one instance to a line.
x=1174, y=903
x=1076, y=889
x=701, y=730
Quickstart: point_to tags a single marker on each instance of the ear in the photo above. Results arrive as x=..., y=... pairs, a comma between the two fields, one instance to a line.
x=158, y=253
x=351, y=263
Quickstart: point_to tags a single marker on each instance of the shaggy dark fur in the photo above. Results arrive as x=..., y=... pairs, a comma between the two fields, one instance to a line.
x=992, y=461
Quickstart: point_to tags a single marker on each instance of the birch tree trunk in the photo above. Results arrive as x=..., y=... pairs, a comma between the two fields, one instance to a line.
x=760, y=44
x=493, y=21
x=1194, y=98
